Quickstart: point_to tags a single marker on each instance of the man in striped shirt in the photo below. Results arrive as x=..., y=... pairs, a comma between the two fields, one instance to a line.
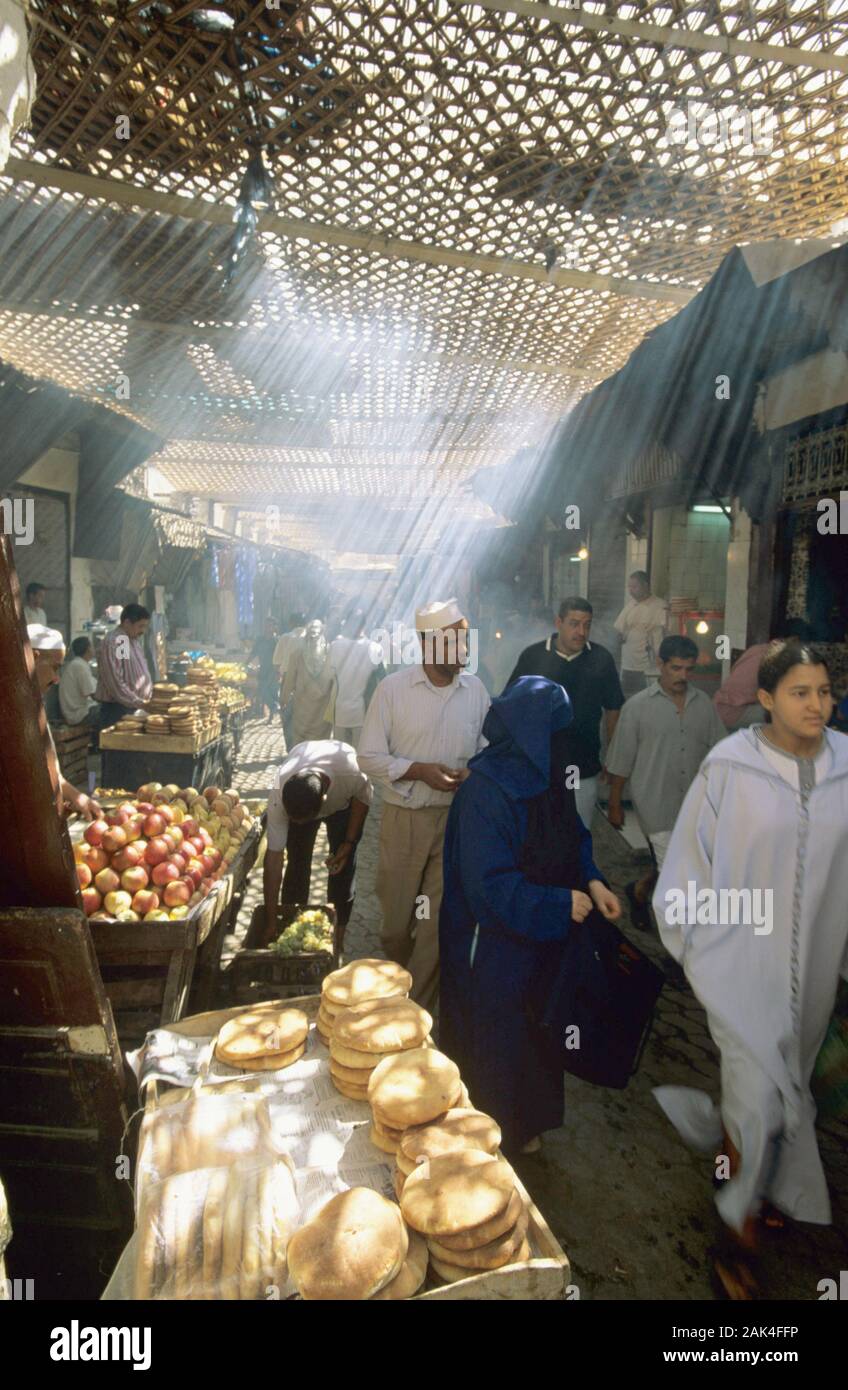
x=123, y=677
x=422, y=726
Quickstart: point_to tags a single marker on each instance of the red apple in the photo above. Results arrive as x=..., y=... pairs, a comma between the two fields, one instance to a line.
x=117, y=902
x=154, y=824
x=215, y=855
x=189, y=827
x=205, y=885
x=134, y=827
x=96, y=859
x=127, y=858
x=81, y=852
x=107, y=881
x=114, y=839
x=91, y=900
x=208, y=865
x=156, y=851
x=144, y=808
x=180, y=861
x=117, y=817
x=165, y=873
x=177, y=894
x=134, y=879
x=196, y=844
x=144, y=901
x=205, y=837
x=94, y=832
x=164, y=810
x=194, y=871
x=176, y=834
x=169, y=841
x=83, y=875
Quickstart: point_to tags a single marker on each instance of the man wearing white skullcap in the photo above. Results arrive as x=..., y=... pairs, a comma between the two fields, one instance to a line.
x=48, y=649
x=422, y=726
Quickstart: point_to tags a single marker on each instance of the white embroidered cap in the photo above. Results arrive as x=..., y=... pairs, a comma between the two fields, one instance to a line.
x=434, y=616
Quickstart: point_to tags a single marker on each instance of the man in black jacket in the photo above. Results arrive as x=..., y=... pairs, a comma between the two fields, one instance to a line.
x=587, y=673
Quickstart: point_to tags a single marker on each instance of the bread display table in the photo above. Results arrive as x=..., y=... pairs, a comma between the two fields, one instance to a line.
x=327, y=1138
x=130, y=760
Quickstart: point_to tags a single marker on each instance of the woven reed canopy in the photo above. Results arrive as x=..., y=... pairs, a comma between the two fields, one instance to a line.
x=479, y=210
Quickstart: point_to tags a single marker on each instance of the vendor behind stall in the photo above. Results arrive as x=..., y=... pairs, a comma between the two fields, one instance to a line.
x=320, y=780
x=123, y=676
x=48, y=649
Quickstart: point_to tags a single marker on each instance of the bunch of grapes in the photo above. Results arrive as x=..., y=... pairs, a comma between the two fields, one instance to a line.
x=311, y=931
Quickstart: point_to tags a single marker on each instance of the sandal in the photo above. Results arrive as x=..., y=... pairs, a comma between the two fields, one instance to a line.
x=734, y=1272
x=640, y=913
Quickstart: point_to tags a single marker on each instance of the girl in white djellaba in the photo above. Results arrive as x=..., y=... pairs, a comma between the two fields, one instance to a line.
x=768, y=810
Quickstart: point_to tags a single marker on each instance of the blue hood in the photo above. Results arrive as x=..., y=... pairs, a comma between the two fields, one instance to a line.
x=518, y=726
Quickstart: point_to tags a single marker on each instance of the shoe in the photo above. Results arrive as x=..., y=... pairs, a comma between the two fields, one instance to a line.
x=640, y=913
x=532, y=1146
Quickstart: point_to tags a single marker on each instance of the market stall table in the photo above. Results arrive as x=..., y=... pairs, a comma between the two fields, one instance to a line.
x=130, y=760
x=327, y=1139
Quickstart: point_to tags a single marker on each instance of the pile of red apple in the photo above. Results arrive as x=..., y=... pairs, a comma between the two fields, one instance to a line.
x=147, y=861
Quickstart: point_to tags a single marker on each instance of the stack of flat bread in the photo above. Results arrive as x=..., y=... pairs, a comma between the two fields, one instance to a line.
x=451, y=1132
x=356, y=1247
x=356, y=983
x=467, y=1205
x=217, y=1232
x=412, y=1087
x=367, y=1033
x=263, y=1039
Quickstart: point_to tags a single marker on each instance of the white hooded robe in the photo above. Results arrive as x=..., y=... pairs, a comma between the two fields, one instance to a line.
x=768, y=997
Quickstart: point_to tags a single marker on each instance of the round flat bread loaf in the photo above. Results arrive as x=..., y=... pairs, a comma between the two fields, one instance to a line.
x=383, y=1025
x=487, y=1231
x=453, y=1273
x=457, y=1129
x=323, y=1031
x=492, y=1255
x=365, y=979
x=328, y=1010
x=406, y=1165
x=275, y=1061
x=450, y=1193
x=351, y=1057
x=387, y=1146
x=354, y=1247
x=259, y=1033
x=351, y=1077
x=387, y=1131
x=413, y=1271
x=412, y=1087
x=350, y=1092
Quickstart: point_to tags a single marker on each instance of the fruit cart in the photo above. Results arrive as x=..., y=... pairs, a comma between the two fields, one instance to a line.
x=149, y=968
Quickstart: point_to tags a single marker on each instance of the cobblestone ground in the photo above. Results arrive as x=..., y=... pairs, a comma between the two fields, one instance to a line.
x=630, y=1205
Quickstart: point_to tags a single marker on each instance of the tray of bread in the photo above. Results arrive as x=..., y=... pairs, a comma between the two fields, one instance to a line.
x=324, y=1149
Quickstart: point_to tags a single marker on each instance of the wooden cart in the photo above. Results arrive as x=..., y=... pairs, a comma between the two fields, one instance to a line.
x=130, y=760
x=148, y=968
x=546, y=1276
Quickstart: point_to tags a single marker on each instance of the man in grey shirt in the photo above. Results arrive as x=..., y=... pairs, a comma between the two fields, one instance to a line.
x=663, y=735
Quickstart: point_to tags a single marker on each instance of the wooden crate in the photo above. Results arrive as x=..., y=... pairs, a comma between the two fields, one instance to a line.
x=148, y=967
x=546, y=1276
x=264, y=974
x=154, y=743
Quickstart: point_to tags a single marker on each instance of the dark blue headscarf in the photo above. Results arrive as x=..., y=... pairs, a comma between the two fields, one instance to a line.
x=519, y=726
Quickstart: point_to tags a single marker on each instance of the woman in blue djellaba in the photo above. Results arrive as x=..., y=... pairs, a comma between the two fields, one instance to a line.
x=518, y=870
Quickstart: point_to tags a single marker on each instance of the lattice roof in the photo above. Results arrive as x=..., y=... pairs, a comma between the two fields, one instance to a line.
x=479, y=212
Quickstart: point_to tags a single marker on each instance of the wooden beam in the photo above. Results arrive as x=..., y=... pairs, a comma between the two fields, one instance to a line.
x=130, y=195
x=570, y=16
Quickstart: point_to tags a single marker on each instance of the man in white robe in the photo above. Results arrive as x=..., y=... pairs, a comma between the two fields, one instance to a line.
x=757, y=817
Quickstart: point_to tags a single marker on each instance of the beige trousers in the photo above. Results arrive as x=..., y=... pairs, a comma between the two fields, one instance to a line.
x=409, y=887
